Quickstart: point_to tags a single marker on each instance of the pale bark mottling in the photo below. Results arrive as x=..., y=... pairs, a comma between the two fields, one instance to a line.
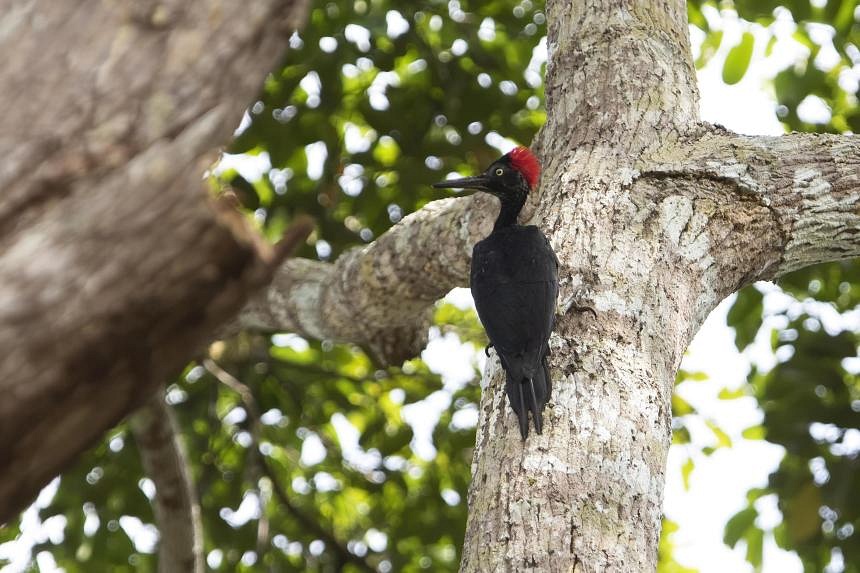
x=380, y=295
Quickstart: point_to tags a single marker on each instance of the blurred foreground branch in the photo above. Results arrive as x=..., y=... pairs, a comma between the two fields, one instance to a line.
x=115, y=266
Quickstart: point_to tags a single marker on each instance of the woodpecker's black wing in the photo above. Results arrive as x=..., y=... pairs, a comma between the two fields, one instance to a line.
x=514, y=283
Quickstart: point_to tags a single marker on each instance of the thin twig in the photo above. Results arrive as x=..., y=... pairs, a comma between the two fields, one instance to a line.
x=177, y=511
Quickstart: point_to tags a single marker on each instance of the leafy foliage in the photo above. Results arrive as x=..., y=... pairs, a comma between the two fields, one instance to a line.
x=321, y=472
x=829, y=32
x=809, y=398
x=392, y=93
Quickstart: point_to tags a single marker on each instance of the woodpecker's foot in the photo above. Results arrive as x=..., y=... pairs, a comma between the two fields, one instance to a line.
x=578, y=308
x=487, y=349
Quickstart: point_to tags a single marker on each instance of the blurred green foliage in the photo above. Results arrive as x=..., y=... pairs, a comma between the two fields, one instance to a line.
x=393, y=95
x=829, y=32
x=811, y=398
x=321, y=472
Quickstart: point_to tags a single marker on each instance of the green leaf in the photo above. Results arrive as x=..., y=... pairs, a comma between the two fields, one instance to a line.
x=686, y=470
x=738, y=525
x=754, y=433
x=727, y=394
x=709, y=48
x=681, y=407
x=745, y=316
x=723, y=439
x=738, y=59
x=755, y=544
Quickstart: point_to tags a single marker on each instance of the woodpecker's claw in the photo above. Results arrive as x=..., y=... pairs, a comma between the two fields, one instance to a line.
x=578, y=308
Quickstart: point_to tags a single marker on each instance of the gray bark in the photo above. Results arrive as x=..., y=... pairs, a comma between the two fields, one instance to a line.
x=114, y=264
x=656, y=217
x=176, y=506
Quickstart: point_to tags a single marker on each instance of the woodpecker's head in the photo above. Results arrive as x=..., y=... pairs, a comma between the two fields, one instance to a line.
x=510, y=177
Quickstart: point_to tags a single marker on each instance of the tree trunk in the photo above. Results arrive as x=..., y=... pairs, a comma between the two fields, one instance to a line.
x=114, y=264
x=655, y=217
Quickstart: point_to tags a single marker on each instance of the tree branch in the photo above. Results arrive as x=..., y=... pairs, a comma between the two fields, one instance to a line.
x=177, y=512
x=381, y=295
x=114, y=265
x=804, y=189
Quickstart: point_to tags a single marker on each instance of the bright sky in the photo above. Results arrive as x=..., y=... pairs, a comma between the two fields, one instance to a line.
x=719, y=482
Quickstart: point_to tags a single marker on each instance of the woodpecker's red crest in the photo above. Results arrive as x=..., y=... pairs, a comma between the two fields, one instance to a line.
x=524, y=161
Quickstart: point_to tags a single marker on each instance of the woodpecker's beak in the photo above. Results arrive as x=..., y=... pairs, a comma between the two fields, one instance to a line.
x=478, y=182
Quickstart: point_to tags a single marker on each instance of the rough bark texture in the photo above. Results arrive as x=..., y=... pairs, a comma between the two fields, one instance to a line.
x=415, y=263
x=655, y=217
x=114, y=266
x=177, y=510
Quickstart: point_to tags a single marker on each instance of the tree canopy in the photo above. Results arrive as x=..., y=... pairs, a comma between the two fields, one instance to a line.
x=309, y=456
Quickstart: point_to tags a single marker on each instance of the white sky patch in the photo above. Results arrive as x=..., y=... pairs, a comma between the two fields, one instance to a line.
x=147, y=486
x=328, y=44
x=316, y=153
x=822, y=34
x=358, y=35
x=813, y=109
x=243, y=125
x=353, y=453
x=487, y=30
x=19, y=551
x=503, y=144
x=376, y=539
x=357, y=140
x=144, y=536
x=250, y=167
x=533, y=75
x=455, y=361
x=313, y=451
x=719, y=482
x=248, y=509
x=352, y=180
x=289, y=340
x=461, y=298
x=459, y=47
x=718, y=485
x=748, y=107
x=397, y=24
x=376, y=91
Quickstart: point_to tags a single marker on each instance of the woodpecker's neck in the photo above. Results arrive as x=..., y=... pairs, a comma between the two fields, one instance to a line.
x=512, y=204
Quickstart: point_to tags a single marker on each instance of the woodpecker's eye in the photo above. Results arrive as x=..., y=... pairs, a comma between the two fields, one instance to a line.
x=500, y=171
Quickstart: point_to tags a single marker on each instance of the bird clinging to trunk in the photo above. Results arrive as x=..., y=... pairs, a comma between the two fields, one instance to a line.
x=514, y=282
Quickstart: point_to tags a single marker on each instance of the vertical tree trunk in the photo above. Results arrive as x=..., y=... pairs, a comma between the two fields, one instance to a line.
x=587, y=494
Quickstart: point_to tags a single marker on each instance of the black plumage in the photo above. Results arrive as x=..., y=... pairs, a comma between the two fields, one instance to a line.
x=514, y=282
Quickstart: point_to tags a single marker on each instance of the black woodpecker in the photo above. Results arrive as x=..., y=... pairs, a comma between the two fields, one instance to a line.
x=514, y=282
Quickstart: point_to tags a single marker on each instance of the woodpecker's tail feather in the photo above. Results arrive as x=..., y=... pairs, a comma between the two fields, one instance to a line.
x=530, y=395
